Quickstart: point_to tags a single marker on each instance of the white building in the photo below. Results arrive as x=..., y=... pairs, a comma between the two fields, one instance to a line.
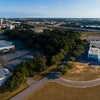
x=10, y=27
x=94, y=51
x=6, y=46
x=95, y=44
x=1, y=21
x=4, y=74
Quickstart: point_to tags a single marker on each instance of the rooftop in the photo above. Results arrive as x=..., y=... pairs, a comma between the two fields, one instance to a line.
x=4, y=43
x=94, y=51
x=4, y=72
x=95, y=44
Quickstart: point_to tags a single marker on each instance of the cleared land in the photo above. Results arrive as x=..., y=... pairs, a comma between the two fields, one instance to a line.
x=86, y=35
x=83, y=72
x=55, y=91
x=7, y=95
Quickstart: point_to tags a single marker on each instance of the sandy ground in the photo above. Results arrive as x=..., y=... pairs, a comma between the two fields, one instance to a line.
x=83, y=72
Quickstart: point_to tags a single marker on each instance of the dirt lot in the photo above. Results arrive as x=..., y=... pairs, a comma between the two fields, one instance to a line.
x=83, y=72
x=86, y=35
x=55, y=91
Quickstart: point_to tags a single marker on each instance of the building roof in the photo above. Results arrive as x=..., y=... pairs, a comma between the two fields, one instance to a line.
x=93, y=38
x=95, y=44
x=4, y=43
x=93, y=51
x=4, y=72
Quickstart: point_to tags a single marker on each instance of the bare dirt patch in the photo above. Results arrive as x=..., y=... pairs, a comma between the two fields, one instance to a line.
x=55, y=91
x=83, y=72
x=86, y=35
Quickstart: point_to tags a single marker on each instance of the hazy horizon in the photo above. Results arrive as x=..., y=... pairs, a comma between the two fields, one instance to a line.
x=49, y=9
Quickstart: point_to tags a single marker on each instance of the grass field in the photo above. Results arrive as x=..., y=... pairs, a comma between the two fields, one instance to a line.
x=85, y=35
x=83, y=72
x=8, y=95
x=55, y=91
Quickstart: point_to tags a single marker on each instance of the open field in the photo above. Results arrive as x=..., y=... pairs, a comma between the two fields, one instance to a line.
x=83, y=72
x=55, y=91
x=85, y=35
x=8, y=95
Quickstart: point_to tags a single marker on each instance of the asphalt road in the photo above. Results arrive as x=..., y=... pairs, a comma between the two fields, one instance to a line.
x=34, y=87
x=31, y=89
x=15, y=54
x=73, y=28
x=13, y=64
x=79, y=84
x=53, y=76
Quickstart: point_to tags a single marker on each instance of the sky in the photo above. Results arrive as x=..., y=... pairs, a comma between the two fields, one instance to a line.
x=50, y=8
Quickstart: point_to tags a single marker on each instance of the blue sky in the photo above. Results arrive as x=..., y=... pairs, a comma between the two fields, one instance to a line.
x=50, y=8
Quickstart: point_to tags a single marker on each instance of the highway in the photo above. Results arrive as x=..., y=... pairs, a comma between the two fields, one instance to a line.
x=73, y=28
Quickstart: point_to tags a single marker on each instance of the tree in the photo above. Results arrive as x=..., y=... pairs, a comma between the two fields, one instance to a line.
x=62, y=69
x=54, y=60
x=11, y=50
x=72, y=59
x=39, y=64
x=1, y=52
x=15, y=81
x=69, y=65
x=3, y=62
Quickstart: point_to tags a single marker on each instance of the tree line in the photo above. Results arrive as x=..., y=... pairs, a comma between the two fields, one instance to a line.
x=56, y=44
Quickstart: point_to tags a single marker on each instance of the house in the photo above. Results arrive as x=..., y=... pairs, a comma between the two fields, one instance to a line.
x=4, y=75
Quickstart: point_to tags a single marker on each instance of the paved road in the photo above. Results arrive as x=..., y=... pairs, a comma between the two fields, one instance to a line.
x=73, y=28
x=31, y=89
x=82, y=84
x=16, y=54
x=34, y=87
x=13, y=64
x=53, y=76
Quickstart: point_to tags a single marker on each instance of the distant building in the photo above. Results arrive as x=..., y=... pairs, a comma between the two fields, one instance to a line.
x=38, y=29
x=4, y=74
x=1, y=22
x=10, y=27
x=6, y=46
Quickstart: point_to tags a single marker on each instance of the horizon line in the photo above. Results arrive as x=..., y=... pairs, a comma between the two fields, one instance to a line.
x=51, y=17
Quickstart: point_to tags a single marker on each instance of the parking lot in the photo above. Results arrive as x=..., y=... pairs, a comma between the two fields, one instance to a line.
x=12, y=64
x=16, y=54
x=16, y=57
